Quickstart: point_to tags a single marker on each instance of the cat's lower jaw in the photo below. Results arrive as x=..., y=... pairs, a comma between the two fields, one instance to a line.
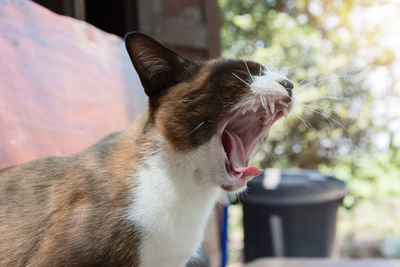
x=173, y=198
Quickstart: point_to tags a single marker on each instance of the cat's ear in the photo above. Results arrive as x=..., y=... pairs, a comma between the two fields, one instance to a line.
x=157, y=66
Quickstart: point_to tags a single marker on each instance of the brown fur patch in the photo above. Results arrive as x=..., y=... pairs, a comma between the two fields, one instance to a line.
x=70, y=211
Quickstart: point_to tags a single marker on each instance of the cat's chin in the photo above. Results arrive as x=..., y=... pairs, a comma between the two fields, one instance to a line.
x=240, y=133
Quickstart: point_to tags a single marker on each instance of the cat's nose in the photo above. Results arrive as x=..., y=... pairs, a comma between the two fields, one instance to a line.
x=288, y=85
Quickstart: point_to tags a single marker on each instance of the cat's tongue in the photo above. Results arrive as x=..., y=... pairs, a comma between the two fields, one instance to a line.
x=237, y=156
x=248, y=172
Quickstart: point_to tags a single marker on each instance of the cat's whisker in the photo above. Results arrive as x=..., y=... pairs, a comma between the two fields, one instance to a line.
x=311, y=83
x=195, y=129
x=310, y=106
x=315, y=110
x=180, y=101
x=335, y=97
x=267, y=68
x=306, y=123
x=314, y=107
x=299, y=86
x=248, y=70
x=319, y=110
x=329, y=119
x=241, y=79
x=301, y=82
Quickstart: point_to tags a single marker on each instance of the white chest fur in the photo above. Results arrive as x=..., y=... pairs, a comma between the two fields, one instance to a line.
x=172, y=203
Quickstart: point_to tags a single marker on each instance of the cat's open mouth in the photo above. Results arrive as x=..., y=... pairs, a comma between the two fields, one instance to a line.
x=242, y=132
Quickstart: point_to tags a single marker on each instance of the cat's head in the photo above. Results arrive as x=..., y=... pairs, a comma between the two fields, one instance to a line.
x=218, y=110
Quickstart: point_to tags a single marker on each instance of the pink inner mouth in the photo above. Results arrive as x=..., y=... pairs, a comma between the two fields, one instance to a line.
x=243, y=132
x=236, y=153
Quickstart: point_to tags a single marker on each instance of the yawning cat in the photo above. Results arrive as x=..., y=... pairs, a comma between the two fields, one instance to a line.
x=142, y=197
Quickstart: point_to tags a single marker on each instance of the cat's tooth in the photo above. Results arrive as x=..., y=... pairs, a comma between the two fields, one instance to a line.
x=272, y=106
x=285, y=112
x=263, y=103
x=283, y=104
x=255, y=108
x=267, y=111
x=244, y=109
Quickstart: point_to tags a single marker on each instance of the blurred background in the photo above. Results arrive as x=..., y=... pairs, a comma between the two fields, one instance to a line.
x=343, y=56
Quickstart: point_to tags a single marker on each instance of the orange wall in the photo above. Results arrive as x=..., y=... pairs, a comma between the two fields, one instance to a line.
x=63, y=84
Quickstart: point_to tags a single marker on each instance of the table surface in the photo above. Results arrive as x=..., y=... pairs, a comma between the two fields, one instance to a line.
x=315, y=262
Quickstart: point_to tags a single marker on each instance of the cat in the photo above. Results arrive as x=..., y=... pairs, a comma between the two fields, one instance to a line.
x=142, y=196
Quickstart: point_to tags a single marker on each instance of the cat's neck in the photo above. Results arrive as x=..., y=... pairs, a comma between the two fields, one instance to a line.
x=171, y=199
x=176, y=176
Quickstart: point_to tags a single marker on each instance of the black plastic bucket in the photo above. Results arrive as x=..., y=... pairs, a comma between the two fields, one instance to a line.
x=291, y=213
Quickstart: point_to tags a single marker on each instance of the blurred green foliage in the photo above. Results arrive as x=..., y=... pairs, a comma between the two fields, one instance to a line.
x=331, y=53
